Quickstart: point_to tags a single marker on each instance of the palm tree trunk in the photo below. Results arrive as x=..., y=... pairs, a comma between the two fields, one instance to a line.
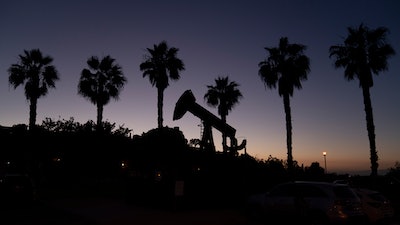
x=32, y=113
x=99, y=116
x=286, y=103
x=160, y=106
x=371, y=131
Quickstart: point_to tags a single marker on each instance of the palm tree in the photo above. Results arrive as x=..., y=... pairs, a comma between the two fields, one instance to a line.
x=100, y=82
x=36, y=72
x=224, y=95
x=287, y=66
x=364, y=52
x=159, y=65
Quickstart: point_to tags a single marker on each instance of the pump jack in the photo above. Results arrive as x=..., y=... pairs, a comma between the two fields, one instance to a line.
x=187, y=102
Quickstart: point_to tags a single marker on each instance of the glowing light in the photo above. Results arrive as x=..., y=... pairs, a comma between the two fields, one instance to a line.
x=124, y=165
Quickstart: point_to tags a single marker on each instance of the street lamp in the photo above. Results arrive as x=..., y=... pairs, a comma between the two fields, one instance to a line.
x=324, y=153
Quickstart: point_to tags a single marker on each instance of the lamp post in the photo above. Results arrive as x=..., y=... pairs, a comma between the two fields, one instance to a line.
x=324, y=153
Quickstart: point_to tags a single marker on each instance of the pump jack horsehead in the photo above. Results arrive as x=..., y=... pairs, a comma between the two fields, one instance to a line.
x=187, y=102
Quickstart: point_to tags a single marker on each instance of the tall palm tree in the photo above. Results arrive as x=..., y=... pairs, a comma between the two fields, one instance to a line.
x=286, y=65
x=101, y=81
x=36, y=72
x=224, y=95
x=160, y=65
x=364, y=52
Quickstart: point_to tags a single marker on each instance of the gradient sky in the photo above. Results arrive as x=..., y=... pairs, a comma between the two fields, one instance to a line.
x=215, y=38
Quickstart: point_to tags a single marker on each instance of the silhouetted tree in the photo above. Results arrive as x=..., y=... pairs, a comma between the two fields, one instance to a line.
x=394, y=171
x=314, y=171
x=100, y=82
x=160, y=65
x=224, y=95
x=363, y=53
x=36, y=72
x=287, y=66
x=275, y=166
x=61, y=125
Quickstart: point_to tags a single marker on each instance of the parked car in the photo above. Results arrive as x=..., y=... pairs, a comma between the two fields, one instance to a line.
x=307, y=202
x=375, y=205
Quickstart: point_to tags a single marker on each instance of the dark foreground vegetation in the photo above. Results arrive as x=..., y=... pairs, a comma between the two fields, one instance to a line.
x=158, y=168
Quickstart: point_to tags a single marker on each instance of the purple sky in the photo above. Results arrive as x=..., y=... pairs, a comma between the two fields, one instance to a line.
x=215, y=38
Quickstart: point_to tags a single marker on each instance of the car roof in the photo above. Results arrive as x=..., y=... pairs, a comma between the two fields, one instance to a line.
x=366, y=191
x=318, y=183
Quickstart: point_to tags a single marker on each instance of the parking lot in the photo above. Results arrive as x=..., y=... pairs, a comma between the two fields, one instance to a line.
x=75, y=205
x=111, y=211
x=115, y=211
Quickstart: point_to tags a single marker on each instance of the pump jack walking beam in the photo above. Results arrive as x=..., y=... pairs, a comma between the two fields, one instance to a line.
x=187, y=102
